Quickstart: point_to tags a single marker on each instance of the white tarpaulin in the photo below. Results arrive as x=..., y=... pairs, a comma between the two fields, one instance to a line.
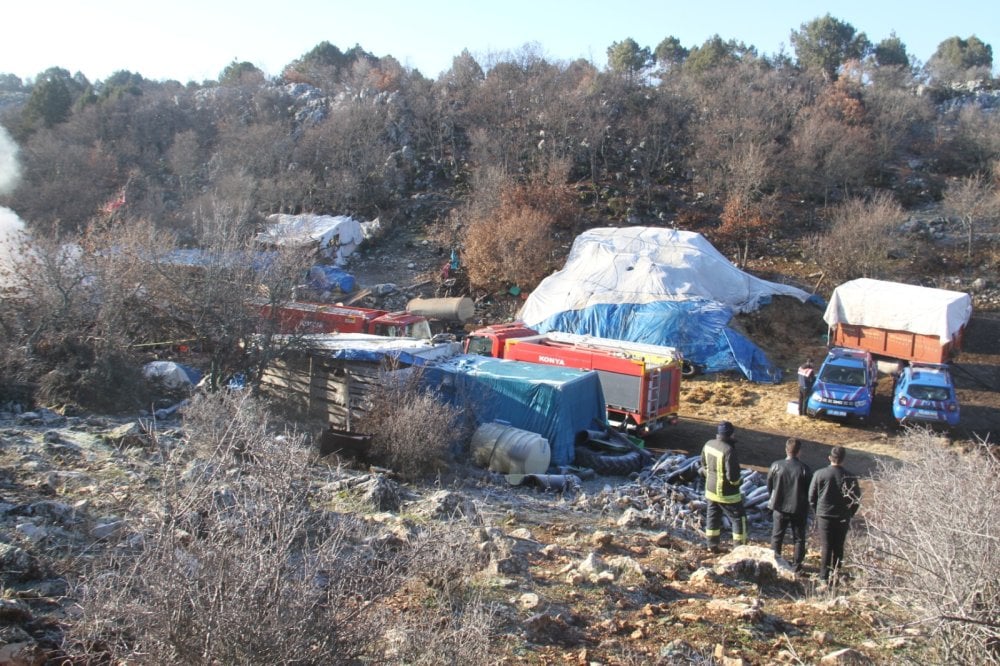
x=899, y=307
x=643, y=265
x=334, y=237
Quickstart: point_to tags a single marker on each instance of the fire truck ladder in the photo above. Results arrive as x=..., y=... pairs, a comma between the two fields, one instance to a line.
x=653, y=394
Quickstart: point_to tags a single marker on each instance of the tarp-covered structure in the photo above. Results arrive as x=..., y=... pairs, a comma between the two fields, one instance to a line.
x=657, y=286
x=332, y=237
x=375, y=348
x=557, y=403
x=899, y=307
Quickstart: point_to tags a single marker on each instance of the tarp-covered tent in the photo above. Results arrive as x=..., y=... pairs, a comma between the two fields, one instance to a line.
x=333, y=237
x=899, y=307
x=658, y=286
x=557, y=403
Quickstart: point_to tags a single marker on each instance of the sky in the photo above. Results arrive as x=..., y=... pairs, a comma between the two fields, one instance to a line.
x=194, y=40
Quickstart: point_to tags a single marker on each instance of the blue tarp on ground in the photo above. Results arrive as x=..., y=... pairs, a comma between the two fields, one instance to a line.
x=557, y=403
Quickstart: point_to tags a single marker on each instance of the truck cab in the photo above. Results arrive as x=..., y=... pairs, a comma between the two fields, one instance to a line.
x=492, y=340
x=401, y=325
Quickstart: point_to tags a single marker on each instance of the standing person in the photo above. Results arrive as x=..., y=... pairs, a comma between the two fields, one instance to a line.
x=721, y=469
x=788, y=487
x=835, y=496
x=807, y=377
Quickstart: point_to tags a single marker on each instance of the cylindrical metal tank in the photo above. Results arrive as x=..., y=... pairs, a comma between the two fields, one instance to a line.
x=459, y=308
x=509, y=450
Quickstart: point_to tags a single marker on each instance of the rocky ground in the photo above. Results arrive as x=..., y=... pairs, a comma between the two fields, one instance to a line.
x=611, y=572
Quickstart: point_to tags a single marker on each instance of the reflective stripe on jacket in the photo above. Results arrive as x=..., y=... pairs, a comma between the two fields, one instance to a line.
x=722, y=472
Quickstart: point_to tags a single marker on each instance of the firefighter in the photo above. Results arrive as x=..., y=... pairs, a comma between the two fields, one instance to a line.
x=721, y=470
x=807, y=377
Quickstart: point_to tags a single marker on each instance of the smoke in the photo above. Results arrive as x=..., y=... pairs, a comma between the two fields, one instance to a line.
x=10, y=170
x=11, y=226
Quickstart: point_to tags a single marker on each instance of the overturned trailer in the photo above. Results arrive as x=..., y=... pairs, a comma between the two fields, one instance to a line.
x=332, y=377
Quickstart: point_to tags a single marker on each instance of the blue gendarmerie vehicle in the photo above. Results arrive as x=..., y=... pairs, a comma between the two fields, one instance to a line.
x=924, y=393
x=845, y=385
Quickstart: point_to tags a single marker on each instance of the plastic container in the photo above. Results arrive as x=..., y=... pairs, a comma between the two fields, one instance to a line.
x=509, y=450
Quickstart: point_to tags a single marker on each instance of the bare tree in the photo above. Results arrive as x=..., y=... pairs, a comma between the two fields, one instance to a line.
x=974, y=201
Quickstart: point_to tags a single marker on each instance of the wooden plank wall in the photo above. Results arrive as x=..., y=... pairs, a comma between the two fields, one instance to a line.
x=316, y=387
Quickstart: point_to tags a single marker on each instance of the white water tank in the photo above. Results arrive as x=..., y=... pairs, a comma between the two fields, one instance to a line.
x=509, y=450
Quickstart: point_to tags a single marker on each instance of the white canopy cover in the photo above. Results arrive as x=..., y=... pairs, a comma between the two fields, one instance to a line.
x=643, y=265
x=899, y=307
x=335, y=237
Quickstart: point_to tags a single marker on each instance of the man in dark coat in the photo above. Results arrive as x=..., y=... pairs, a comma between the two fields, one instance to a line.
x=721, y=469
x=807, y=377
x=835, y=496
x=788, y=487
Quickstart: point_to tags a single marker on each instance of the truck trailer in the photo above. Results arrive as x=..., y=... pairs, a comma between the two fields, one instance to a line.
x=306, y=317
x=641, y=382
x=898, y=321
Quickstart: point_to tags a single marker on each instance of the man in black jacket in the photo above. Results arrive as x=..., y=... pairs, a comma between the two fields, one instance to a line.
x=835, y=496
x=807, y=377
x=788, y=487
x=721, y=469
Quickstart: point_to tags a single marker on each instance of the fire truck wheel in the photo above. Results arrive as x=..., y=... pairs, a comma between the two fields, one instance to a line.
x=610, y=464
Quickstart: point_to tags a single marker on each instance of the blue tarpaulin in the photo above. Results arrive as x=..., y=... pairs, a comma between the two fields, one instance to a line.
x=697, y=327
x=557, y=403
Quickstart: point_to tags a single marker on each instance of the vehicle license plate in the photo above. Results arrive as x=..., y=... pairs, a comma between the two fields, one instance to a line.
x=926, y=413
x=836, y=412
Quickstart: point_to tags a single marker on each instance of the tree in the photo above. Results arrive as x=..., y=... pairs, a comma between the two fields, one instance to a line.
x=628, y=59
x=957, y=60
x=669, y=54
x=241, y=74
x=826, y=43
x=891, y=52
x=716, y=53
x=52, y=97
x=974, y=201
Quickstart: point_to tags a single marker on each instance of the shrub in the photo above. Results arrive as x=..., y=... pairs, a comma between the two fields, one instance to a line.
x=931, y=546
x=508, y=230
x=413, y=432
x=238, y=565
x=859, y=240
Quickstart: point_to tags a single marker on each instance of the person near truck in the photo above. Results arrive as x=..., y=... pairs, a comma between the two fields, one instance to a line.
x=835, y=496
x=788, y=487
x=721, y=468
x=807, y=377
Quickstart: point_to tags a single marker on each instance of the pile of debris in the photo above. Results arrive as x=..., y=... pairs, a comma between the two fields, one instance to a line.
x=671, y=494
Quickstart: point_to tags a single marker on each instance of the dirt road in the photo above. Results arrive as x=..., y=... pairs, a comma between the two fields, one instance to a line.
x=760, y=414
